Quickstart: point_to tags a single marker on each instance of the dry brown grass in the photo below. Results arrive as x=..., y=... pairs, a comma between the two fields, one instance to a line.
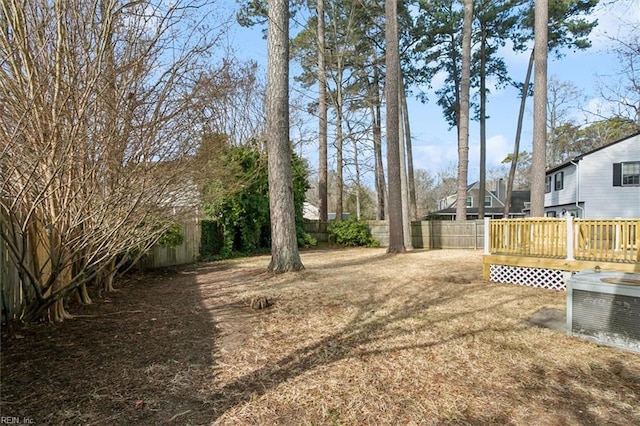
x=358, y=338
x=361, y=337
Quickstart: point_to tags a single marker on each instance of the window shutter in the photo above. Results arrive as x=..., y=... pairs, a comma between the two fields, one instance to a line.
x=617, y=174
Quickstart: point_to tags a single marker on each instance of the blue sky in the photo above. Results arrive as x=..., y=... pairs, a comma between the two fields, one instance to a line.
x=435, y=145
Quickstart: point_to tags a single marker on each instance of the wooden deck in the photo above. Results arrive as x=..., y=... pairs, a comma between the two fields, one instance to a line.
x=563, y=244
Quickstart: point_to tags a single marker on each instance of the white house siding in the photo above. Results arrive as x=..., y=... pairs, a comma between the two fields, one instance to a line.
x=566, y=197
x=601, y=198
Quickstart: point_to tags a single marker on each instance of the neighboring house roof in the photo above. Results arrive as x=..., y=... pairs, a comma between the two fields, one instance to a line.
x=580, y=156
x=488, y=211
x=518, y=199
x=476, y=184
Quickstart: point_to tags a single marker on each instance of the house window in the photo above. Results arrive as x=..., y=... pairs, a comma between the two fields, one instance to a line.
x=559, y=181
x=469, y=201
x=551, y=213
x=626, y=174
x=487, y=201
x=547, y=184
x=631, y=173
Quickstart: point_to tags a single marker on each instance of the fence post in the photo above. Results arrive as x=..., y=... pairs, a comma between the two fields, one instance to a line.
x=486, y=235
x=637, y=241
x=475, y=235
x=431, y=243
x=570, y=237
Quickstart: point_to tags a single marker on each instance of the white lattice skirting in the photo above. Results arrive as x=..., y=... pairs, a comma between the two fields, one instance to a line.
x=551, y=279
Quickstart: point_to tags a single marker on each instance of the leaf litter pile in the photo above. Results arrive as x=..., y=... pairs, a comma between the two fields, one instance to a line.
x=358, y=337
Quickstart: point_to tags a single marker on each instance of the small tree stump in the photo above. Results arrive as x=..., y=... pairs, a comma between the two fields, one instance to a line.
x=260, y=302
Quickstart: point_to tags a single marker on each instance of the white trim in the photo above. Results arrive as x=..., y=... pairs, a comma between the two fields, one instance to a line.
x=627, y=163
x=570, y=237
x=487, y=228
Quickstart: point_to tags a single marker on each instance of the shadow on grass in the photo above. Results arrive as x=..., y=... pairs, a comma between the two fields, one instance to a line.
x=143, y=355
x=366, y=327
x=137, y=356
x=567, y=397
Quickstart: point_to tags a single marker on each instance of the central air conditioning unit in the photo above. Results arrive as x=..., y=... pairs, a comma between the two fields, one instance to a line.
x=604, y=307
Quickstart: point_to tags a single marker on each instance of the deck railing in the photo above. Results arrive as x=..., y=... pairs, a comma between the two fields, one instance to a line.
x=615, y=240
x=612, y=240
x=542, y=237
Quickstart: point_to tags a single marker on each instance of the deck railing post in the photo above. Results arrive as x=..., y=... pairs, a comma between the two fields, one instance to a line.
x=570, y=237
x=487, y=249
x=637, y=241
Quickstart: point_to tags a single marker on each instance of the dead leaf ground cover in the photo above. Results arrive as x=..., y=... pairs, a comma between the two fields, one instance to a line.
x=358, y=337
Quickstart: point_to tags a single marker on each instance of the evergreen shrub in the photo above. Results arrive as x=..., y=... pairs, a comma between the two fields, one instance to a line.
x=351, y=233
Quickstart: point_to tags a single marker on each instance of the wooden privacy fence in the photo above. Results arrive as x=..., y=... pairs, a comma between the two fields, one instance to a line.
x=434, y=234
x=317, y=229
x=12, y=289
x=445, y=234
x=188, y=252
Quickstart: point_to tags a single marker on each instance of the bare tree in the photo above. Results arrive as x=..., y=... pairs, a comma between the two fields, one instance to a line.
x=96, y=135
x=375, y=109
x=539, y=108
x=284, y=245
x=623, y=88
x=463, y=114
x=426, y=198
x=563, y=97
x=230, y=101
x=343, y=30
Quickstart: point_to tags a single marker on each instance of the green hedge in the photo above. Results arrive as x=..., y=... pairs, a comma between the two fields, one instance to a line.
x=351, y=233
x=241, y=223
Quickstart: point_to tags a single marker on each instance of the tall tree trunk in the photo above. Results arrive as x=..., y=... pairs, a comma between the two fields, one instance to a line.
x=413, y=208
x=356, y=166
x=463, y=114
x=284, y=246
x=339, y=146
x=116, y=156
x=404, y=187
x=483, y=123
x=377, y=147
x=396, y=237
x=539, y=109
x=322, y=115
x=516, y=143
